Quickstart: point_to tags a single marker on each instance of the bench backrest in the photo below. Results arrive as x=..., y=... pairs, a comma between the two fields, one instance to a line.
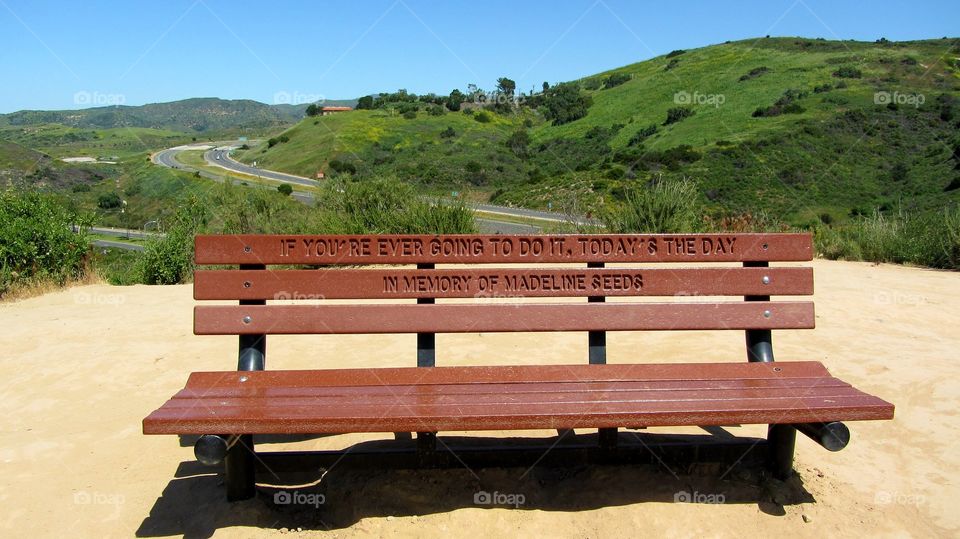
x=337, y=272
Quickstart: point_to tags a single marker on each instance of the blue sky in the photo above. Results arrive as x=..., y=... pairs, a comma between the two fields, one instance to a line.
x=64, y=55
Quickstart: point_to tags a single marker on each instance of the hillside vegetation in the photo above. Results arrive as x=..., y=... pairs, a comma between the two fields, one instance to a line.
x=198, y=115
x=806, y=130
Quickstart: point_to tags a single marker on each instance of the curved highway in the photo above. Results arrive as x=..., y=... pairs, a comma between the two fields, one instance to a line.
x=219, y=156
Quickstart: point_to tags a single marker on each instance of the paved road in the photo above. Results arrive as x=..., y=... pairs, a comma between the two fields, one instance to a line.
x=117, y=245
x=219, y=156
x=123, y=232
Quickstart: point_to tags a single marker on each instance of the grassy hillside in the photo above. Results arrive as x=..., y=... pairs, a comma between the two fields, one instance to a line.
x=62, y=141
x=198, y=115
x=380, y=141
x=802, y=129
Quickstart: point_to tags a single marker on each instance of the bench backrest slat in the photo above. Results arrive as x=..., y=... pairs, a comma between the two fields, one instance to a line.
x=475, y=318
x=498, y=249
x=499, y=283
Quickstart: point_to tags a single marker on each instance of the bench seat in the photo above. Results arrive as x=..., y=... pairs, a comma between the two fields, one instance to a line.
x=511, y=397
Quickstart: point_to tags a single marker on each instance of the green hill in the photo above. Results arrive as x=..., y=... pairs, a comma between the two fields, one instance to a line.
x=802, y=129
x=199, y=115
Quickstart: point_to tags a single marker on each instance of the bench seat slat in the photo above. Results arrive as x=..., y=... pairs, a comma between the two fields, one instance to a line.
x=372, y=391
x=822, y=399
x=432, y=398
x=503, y=374
x=475, y=318
x=528, y=282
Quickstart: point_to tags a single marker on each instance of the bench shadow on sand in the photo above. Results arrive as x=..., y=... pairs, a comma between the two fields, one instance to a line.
x=194, y=503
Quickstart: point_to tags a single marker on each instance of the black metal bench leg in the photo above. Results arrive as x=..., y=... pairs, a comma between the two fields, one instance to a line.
x=240, y=469
x=782, y=439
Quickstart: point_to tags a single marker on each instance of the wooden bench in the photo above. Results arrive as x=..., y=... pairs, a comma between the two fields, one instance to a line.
x=228, y=407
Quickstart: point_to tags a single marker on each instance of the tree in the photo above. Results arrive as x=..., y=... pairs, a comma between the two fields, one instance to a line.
x=454, y=100
x=285, y=189
x=546, y=86
x=109, y=201
x=313, y=109
x=564, y=103
x=365, y=102
x=518, y=143
x=506, y=86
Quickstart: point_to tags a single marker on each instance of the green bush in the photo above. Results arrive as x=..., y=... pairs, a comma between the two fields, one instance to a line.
x=665, y=206
x=616, y=80
x=36, y=241
x=109, y=201
x=848, y=72
x=285, y=189
x=676, y=114
x=564, y=103
x=927, y=240
x=388, y=206
x=169, y=259
x=483, y=117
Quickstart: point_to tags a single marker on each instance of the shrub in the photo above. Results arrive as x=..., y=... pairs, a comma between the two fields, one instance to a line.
x=564, y=103
x=518, y=142
x=449, y=132
x=665, y=206
x=285, y=189
x=786, y=104
x=169, y=259
x=847, y=72
x=929, y=240
x=642, y=135
x=410, y=114
x=483, y=117
x=343, y=167
x=616, y=80
x=676, y=52
x=754, y=73
x=676, y=114
x=109, y=201
x=36, y=241
x=436, y=110
x=388, y=206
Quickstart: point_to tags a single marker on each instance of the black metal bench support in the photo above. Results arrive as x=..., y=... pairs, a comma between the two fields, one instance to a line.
x=782, y=438
x=240, y=461
x=597, y=349
x=426, y=357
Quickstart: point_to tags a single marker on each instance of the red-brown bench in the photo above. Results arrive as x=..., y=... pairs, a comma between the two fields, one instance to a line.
x=228, y=407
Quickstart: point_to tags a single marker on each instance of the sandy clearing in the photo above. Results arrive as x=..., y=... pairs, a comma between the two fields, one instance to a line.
x=89, y=363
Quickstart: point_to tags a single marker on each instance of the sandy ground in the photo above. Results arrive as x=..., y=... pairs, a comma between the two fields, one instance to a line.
x=85, y=365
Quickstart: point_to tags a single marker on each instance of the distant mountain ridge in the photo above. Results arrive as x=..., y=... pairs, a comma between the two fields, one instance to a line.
x=196, y=115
